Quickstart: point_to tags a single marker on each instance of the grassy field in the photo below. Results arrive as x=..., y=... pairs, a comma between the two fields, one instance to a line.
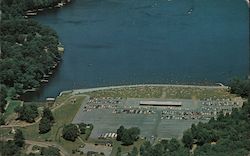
x=164, y=92
x=136, y=92
x=11, y=108
x=62, y=115
x=198, y=93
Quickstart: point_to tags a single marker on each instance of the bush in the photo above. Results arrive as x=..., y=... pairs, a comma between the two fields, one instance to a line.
x=44, y=125
x=50, y=151
x=70, y=132
x=27, y=112
x=127, y=136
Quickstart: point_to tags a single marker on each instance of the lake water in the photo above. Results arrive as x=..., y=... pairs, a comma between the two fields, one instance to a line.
x=113, y=42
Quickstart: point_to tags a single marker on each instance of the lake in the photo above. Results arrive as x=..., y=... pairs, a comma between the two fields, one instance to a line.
x=114, y=42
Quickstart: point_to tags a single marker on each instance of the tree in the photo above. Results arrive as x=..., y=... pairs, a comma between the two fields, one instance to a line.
x=44, y=125
x=48, y=114
x=119, y=132
x=129, y=136
x=127, y=139
x=240, y=87
x=134, y=133
x=3, y=95
x=18, y=87
x=23, y=43
x=9, y=148
x=46, y=121
x=173, y=145
x=11, y=92
x=50, y=151
x=2, y=120
x=19, y=138
x=134, y=152
x=119, y=151
x=82, y=128
x=27, y=112
x=70, y=132
x=187, y=139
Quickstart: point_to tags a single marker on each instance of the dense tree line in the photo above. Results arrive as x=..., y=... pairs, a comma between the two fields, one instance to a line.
x=228, y=135
x=240, y=87
x=28, y=50
x=13, y=147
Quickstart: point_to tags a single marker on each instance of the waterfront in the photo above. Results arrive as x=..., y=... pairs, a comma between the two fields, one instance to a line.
x=115, y=42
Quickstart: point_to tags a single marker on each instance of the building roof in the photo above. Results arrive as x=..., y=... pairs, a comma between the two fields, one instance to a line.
x=161, y=103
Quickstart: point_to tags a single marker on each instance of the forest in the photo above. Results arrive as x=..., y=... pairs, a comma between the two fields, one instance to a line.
x=29, y=50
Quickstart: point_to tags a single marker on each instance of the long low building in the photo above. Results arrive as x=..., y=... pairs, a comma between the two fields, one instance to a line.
x=161, y=103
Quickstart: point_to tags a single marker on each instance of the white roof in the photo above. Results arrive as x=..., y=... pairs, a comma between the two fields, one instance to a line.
x=160, y=103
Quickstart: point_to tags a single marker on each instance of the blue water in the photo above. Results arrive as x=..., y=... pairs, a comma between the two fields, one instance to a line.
x=111, y=42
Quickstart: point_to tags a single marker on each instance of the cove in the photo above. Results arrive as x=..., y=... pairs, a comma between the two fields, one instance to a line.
x=117, y=42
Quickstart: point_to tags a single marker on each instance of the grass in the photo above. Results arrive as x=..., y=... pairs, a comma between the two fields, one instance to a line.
x=11, y=108
x=63, y=115
x=198, y=93
x=135, y=92
x=164, y=92
x=126, y=149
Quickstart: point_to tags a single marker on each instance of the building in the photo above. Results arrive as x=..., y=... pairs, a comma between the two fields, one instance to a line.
x=161, y=103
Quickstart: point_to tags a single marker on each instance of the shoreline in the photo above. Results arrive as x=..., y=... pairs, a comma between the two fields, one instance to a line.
x=34, y=12
x=80, y=91
x=60, y=47
x=248, y=3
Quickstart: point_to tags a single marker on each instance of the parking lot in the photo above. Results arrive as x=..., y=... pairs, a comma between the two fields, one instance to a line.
x=107, y=114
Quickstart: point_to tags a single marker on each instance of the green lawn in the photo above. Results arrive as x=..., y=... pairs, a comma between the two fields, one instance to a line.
x=171, y=92
x=63, y=115
x=136, y=92
x=11, y=108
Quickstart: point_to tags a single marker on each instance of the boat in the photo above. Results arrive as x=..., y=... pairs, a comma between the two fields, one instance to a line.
x=190, y=11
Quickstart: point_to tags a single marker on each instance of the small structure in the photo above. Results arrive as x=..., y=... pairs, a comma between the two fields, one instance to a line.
x=50, y=99
x=161, y=103
x=50, y=102
x=60, y=48
x=107, y=143
x=13, y=131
